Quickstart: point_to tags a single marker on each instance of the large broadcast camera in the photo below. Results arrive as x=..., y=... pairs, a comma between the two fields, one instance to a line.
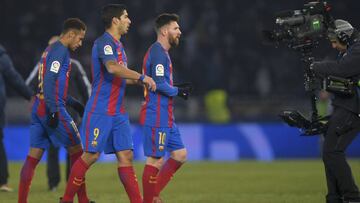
x=301, y=31
x=301, y=27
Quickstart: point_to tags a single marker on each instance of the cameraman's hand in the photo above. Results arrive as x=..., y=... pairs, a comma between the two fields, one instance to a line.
x=53, y=120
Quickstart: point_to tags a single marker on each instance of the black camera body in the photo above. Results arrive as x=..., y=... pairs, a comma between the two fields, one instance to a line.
x=299, y=26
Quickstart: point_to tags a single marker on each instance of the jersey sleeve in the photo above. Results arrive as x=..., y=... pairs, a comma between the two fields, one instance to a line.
x=158, y=71
x=106, y=50
x=54, y=63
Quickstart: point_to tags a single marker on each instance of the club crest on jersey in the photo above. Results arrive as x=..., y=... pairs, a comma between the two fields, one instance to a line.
x=94, y=143
x=55, y=66
x=159, y=70
x=108, y=50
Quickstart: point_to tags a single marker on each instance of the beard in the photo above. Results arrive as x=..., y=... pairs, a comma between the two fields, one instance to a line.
x=174, y=41
x=123, y=29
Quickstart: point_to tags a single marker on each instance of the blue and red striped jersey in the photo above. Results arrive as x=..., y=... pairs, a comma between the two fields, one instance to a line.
x=108, y=90
x=157, y=108
x=53, y=76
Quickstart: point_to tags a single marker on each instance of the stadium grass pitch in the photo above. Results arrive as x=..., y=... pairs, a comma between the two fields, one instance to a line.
x=287, y=181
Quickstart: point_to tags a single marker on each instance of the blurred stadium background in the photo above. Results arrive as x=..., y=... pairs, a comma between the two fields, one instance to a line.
x=241, y=84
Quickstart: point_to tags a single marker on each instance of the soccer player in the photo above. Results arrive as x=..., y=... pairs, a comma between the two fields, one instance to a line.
x=50, y=122
x=105, y=124
x=160, y=131
x=80, y=88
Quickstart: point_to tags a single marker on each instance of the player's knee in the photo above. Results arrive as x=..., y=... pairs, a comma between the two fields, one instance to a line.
x=90, y=158
x=125, y=157
x=36, y=153
x=75, y=149
x=155, y=161
x=180, y=155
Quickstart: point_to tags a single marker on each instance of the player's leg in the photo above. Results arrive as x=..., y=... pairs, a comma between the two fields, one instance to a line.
x=77, y=175
x=38, y=142
x=178, y=156
x=155, y=141
x=75, y=152
x=176, y=160
x=120, y=142
x=53, y=167
x=27, y=173
x=94, y=133
x=70, y=138
x=149, y=177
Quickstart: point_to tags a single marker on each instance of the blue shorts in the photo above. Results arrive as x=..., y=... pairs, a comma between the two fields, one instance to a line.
x=159, y=140
x=66, y=134
x=100, y=132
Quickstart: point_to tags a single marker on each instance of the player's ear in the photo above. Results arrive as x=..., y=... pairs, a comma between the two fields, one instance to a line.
x=115, y=20
x=164, y=31
x=71, y=34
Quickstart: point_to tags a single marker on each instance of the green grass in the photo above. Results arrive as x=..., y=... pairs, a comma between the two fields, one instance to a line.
x=204, y=182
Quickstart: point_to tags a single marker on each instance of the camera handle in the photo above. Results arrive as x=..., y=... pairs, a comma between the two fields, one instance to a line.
x=309, y=77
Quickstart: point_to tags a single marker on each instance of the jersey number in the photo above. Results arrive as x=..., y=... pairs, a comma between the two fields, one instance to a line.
x=162, y=137
x=41, y=78
x=96, y=133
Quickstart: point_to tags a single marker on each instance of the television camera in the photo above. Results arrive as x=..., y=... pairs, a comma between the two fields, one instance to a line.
x=301, y=31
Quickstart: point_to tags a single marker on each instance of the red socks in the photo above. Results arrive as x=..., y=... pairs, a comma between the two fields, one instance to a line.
x=165, y=174
x=129, y=180
x=26, y=175
x=81, y=193
x=149, y=181
x=76, y=179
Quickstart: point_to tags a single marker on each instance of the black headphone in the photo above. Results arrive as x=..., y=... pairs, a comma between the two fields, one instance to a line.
x=343, y=38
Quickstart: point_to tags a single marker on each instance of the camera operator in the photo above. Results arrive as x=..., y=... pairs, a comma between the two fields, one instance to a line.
x=344, y=123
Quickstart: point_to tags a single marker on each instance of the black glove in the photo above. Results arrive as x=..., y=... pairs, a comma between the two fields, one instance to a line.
x=184, y=89
x=76, y=105
x=184, y=92
x=53, y=120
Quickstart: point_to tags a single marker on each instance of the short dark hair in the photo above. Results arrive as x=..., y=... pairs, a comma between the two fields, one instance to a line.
x=110, y=11
x=164, y=19
x=73, y=23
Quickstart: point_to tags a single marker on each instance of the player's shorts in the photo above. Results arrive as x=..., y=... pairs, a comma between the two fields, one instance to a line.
x=159, y=140
x=100, y=132
x=66, y=134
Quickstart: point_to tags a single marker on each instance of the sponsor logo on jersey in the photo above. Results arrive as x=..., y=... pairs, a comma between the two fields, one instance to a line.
x=159, y=70
x=55, y=66
x=108, y=50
